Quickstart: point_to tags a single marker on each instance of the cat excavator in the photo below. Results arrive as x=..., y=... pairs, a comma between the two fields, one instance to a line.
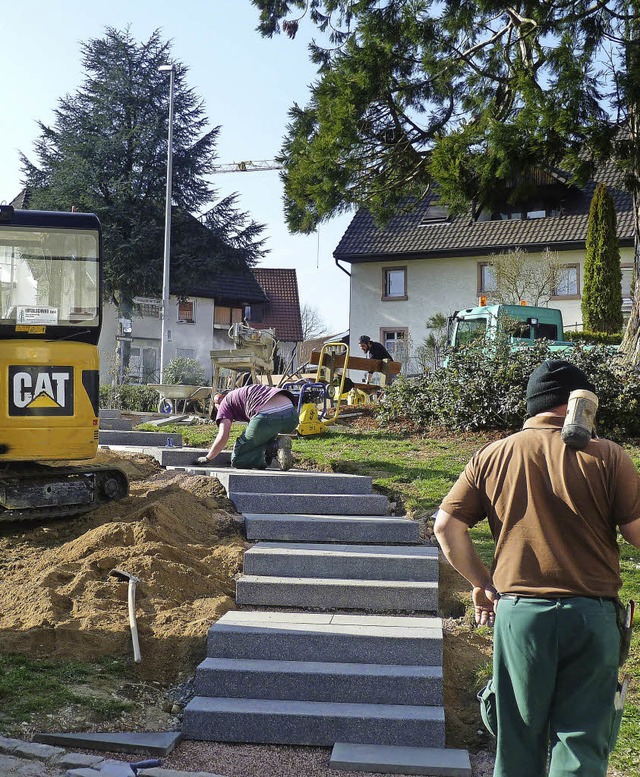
x=50, y=319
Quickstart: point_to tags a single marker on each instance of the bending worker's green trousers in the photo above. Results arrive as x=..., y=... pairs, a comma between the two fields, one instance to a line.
x=555, y=671
x=249, y=450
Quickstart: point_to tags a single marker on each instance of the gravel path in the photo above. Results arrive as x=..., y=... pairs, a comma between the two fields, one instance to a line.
x=236, y=760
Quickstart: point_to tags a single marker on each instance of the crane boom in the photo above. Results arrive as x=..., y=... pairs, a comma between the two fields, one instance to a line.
x=248, y=166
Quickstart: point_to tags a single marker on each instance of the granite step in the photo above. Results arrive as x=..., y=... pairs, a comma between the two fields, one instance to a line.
x=310, y=504
x=434, y=762
x=359, y=562
x=360, y=639
x=297, y=527
x=337, y=594
x=311, y=722
x=137, y=438
x=291, y=482
x=319, y=681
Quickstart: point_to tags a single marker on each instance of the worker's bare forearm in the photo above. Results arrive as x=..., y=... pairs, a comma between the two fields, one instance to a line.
x=219, y=443
x=455, y=542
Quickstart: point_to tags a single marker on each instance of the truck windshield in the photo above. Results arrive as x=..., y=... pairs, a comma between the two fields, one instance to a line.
x=49, y=277
x=469, y=330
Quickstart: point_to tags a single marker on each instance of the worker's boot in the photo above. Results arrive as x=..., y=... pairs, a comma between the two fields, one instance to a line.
x=285, y=456
x=271, y=451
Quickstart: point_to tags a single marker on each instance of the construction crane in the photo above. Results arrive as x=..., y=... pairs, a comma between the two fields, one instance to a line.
x=248, y=166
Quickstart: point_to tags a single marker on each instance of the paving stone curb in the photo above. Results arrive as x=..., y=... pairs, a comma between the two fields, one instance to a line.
x=72, y=764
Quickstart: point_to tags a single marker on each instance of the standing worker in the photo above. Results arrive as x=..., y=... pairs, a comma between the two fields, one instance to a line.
x=553, y=586
x=269, y=412
x=373, y=350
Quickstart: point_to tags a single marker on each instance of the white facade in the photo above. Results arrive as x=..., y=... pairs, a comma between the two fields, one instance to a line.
x=188, y=338
x=444, y=285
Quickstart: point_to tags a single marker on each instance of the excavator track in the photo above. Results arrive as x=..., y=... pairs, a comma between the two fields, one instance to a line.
x=38, y=492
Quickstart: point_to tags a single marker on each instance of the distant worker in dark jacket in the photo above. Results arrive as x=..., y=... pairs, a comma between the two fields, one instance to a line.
x=373, y=350
x=554, y=510
x=269, y=412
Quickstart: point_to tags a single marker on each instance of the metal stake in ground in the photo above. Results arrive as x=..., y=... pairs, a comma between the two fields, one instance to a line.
x=120, y=574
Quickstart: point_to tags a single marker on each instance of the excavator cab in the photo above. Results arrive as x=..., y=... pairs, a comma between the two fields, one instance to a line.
x=50, y=320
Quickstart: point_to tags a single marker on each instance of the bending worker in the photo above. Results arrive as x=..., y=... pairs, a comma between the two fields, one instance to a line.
x=269, y=412
x=552, y=590
x=373, y=350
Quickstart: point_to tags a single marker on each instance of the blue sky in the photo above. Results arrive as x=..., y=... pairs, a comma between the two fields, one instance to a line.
x=247, y=84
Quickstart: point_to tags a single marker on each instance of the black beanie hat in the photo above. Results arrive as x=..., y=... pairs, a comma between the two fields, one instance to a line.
x=551, y=383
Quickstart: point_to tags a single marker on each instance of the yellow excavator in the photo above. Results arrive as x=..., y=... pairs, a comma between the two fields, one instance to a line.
x=50, y=320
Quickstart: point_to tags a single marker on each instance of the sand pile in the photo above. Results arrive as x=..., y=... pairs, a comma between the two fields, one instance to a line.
x=177, y=533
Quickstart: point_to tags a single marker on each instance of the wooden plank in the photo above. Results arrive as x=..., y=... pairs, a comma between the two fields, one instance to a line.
x=357, y=363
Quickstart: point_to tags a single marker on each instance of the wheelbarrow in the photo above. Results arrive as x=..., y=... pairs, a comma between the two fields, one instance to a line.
x=175, y=398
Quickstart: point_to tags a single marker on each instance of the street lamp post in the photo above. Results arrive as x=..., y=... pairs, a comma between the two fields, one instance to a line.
x=166, y=333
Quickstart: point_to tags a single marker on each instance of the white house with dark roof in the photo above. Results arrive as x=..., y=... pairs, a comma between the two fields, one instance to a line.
x=199, y=321
x=424, y=262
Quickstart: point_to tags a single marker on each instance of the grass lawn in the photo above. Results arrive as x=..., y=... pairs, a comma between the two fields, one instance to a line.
x=417, y=471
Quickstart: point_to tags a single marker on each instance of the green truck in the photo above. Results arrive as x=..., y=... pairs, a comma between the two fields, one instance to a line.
x=524, y=324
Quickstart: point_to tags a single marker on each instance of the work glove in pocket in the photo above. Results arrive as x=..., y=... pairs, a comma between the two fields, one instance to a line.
x=487, y=699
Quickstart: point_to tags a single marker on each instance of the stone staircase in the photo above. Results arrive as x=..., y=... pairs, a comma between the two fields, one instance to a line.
x=337, y=642
x=303, y=668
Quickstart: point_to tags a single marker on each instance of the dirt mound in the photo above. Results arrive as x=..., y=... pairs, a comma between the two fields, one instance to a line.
x=176, y=532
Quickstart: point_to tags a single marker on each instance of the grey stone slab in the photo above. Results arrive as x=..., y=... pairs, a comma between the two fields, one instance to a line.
x=311, y=723
x=10, y=765
x=173, y=458
x=8, y=745
x=351, y=643
x=292, y=482
x=77, y=760
x=116, y=424
x=83, y=771
x=330, y=593
x=252, y=617
x=398, y=621
x=109, y=413
x=297, y=619
x=310, y=504
x=36, y=750
x=160, y=772
x=139, y=438
x=168, y=419
x=156, y=743
x=319, y=681
x=358, y=562
x=435, y=762
x=296, y=527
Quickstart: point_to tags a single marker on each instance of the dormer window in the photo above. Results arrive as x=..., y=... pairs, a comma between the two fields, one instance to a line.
x=434, y=214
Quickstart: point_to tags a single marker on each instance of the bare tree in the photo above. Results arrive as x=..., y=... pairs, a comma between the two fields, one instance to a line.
x=312, y=324
x=519, y=277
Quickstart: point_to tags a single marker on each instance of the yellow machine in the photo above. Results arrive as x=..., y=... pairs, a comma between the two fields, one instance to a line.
x=50, y=319
x=315, y=397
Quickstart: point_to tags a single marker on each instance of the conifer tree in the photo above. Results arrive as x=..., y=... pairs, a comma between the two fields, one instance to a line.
x=471, y=95
x=602, y=284
x=106, y=153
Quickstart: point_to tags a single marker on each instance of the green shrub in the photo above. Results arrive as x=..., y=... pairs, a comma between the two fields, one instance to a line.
x=140, y=399
x=183, y=371
x=483, y=388
x=597, y=338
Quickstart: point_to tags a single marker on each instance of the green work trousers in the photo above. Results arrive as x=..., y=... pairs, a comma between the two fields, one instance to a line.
x=248, y=452
x=555, y=670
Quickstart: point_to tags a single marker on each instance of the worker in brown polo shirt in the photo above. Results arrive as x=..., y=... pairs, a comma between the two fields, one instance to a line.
x=553, y=513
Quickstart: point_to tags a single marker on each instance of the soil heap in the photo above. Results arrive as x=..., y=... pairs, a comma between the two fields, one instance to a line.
x=178, y=533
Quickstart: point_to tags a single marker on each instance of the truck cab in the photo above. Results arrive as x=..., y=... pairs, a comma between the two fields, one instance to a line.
x=524, y=324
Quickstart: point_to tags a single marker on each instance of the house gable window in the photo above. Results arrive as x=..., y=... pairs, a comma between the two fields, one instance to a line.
x=394, y=283
x=186, y=312
x=568, y=284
